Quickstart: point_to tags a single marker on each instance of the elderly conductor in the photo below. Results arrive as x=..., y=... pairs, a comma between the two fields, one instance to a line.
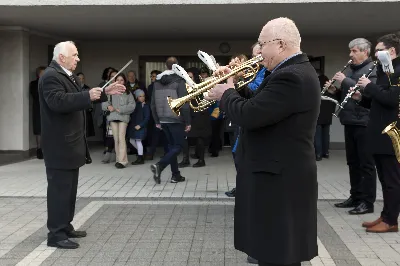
x=62, y=109
x=276, y=200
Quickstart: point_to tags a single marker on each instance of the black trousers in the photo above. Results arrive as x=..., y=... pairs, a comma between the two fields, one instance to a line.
x=61, y=197
x=217, y=127
x=271, y=264
x=321, y=140
x=389, y=175
x=361, y=165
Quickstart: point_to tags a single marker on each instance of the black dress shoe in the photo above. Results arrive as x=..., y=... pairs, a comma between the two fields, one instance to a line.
x=349, y=203
x=76, y=234
x=326, y=156
x=252, y=260
x=63, y=244
x=231, y=193
x=362, y=208
x=200, y=163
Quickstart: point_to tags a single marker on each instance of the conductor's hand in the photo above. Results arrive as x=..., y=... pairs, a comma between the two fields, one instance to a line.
x=114, y=89
x=95, y=94
x=219, y=89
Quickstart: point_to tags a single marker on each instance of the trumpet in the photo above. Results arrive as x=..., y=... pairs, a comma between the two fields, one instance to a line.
x=333, y=80
x=350, y=94
x=250, y=69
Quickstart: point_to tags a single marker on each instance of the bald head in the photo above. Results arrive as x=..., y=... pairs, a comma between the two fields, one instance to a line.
x=279, y=39
x=284, y=29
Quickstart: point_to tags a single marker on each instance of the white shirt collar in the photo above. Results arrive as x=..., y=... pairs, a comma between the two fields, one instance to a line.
x=69, y=73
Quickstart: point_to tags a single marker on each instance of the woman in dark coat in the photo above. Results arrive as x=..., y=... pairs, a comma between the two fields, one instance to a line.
x=137, y=128
x=36, y=121
x=322, y=138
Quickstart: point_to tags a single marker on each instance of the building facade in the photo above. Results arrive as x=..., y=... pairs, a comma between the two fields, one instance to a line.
x=142, y=30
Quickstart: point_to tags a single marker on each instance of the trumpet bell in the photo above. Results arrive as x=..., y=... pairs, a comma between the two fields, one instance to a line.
x=175, y=105
x=394, y=133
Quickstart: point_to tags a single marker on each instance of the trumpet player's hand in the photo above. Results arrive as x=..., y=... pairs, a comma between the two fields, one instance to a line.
x=219, y=89
x=188, y=128
x=339, y=76
x=363, y=82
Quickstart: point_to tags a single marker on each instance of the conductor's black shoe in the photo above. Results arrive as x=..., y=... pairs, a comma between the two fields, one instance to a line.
x=252, y=260
x=63, y=244
x=76, y=234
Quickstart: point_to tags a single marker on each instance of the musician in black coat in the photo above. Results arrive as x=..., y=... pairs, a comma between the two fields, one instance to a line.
x=62, y=109
x=276, y=194
x=383, y=100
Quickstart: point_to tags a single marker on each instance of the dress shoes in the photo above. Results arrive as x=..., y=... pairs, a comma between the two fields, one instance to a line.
x=383, y=227
x=362, y=208
x=251, y=260
x=349, y=203
x=370, y=224
x=76, y=234
x=63, y=244
x=231, y=193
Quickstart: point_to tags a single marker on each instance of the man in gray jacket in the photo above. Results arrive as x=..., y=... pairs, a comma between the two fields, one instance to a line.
x=174, y=127
x=355, y=119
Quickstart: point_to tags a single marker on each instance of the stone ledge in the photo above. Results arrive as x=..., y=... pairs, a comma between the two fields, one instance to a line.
x=170, y=2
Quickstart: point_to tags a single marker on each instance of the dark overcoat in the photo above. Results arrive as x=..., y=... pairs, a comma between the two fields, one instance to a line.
x=383, y=100
x=201, y=124
x=62, y=109
x=276, y=189
x=33, y=89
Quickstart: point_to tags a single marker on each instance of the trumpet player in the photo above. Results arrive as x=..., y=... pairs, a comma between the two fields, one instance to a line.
x=383, y=100
x=355, y=118
x=276, y=169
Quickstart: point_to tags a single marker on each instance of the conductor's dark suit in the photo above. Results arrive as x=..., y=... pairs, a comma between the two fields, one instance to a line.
x=276, y=194
x=64, y=144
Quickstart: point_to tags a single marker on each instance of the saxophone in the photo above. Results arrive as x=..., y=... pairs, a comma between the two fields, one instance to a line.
x=394, y=133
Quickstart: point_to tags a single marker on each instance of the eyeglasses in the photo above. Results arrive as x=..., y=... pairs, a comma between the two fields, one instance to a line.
x=261, y=44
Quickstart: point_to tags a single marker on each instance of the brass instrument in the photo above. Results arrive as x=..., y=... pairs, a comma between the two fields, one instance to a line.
x=326, y=87
x=394, y=134
x=350, y=94
x=250, y=69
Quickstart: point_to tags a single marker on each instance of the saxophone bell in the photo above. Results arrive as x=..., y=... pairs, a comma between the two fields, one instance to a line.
x=394, y=133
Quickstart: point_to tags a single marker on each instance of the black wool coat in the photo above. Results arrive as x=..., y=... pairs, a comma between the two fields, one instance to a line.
x=62, y=110
x=276, y=184
x=383, y=100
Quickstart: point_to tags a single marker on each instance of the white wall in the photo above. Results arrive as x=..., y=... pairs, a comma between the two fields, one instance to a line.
x=95, y=56
x=14, y=98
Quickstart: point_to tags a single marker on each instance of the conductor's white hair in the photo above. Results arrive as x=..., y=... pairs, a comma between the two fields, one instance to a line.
x=285, y=29
x=61, y=48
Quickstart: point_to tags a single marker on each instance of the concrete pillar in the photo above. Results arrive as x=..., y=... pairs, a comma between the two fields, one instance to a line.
x=14, y=89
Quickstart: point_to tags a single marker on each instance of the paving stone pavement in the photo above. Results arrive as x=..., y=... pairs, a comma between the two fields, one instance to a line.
x=130, y=221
